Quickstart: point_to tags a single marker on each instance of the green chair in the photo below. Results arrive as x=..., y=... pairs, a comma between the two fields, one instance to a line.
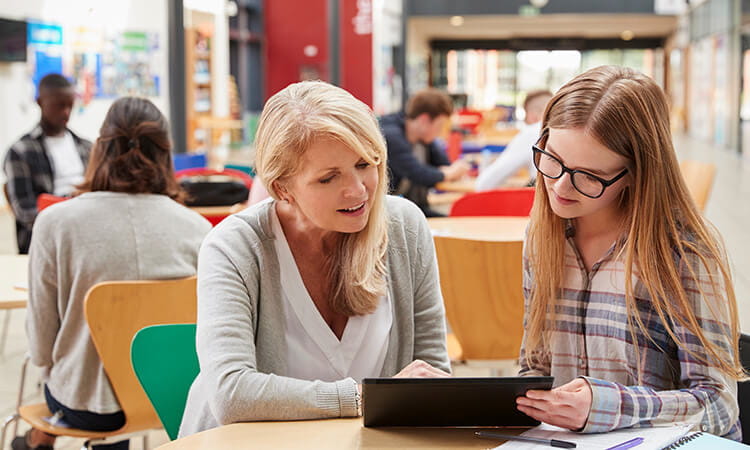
x=165, y=362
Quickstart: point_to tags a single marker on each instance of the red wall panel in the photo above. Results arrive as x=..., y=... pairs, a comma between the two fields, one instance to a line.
x=290, y=26
x=356, y=48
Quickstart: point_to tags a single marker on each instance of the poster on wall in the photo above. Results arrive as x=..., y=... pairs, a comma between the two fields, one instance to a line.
x=45, y=50
x=86, y=62
x=128, y=64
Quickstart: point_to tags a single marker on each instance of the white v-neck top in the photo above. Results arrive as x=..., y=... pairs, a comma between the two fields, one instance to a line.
x=313, y=350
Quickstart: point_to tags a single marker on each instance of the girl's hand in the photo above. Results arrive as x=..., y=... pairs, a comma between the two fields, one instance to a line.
x=420, y=369
x=566, y=406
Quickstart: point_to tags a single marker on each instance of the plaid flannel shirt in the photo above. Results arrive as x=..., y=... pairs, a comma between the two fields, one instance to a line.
x=591, y=340
x=30, y=173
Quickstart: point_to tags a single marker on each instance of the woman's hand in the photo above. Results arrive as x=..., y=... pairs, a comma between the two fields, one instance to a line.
x=566, y=406
x=420, y=369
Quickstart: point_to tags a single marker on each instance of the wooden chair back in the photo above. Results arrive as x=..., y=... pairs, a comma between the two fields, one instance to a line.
x=482, y=289
x=115, y=312
x=699, y=178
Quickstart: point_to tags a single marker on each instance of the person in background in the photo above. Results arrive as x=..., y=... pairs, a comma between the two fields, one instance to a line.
x=629, y=299
x=517, y=155
x=303, y=295
x=49, y=159
x=416, y=163
x=126, y=224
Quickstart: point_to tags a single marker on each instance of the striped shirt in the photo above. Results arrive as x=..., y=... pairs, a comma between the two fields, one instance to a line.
x=591, y=339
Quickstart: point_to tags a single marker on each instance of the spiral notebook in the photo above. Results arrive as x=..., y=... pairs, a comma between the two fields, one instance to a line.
x=672, y=437
x=705, y=441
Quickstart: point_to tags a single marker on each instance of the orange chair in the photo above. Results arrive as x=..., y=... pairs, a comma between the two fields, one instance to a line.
x=45, y=200
x=499, y=202
x=205, y=171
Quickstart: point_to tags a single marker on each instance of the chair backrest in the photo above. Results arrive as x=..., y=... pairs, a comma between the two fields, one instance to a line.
x=205, y=171
x=743, y=389
x=166, y=364
x=498, y=202
x=699, y=178
x=189, y=160
x=45, y=200
x=482, y=289
x=115, y=311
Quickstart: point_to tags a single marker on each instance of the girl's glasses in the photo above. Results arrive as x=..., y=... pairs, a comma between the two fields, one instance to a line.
x=586, y=183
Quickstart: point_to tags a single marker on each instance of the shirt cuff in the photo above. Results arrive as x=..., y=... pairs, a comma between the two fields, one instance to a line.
x=605, y=406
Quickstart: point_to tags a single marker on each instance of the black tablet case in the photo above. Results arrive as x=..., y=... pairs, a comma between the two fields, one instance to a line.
x=442, y=402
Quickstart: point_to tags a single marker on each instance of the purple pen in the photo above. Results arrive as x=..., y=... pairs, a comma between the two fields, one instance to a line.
x=627, y=444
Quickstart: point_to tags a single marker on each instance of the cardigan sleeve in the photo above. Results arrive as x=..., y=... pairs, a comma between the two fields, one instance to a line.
x=429, y=313
x=42, y=315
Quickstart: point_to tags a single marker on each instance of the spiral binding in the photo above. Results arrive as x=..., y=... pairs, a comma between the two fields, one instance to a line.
x=684, y=440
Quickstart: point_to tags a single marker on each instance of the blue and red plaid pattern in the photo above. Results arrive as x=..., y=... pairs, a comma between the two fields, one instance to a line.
x=591, y=339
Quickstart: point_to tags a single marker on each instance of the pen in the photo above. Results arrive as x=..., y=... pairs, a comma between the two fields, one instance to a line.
x=627, y=444
x=511, y=437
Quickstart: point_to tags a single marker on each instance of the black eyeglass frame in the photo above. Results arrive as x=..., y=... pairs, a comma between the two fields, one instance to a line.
x=605, y=183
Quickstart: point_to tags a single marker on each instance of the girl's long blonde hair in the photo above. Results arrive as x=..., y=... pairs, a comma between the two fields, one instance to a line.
x=628, y=113
x=293, y=120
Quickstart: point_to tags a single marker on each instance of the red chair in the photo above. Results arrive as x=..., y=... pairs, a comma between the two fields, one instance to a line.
x=205, y=171
x=499, y=202
x=45, y=200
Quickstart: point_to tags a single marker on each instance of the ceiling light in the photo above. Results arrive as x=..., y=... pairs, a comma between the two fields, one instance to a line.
x=457, y=21
x=626, y=35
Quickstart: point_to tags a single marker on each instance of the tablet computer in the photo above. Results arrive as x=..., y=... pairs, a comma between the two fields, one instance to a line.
x=445, y=402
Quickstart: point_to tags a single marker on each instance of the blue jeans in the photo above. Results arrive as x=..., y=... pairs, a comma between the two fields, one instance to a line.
x=87, y=420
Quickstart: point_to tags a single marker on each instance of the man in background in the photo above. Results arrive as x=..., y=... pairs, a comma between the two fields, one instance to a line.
x=49, y=159
x=517, y=154
x=415, y=162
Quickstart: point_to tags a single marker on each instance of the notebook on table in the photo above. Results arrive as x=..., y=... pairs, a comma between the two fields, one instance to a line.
x=675, y=437
x=705, y=441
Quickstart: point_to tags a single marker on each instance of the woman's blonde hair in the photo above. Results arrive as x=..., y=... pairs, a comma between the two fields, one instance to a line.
x=293, y=120
x=628, y=113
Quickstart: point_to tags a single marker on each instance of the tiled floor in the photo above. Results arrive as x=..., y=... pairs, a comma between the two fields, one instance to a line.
x=728, y=209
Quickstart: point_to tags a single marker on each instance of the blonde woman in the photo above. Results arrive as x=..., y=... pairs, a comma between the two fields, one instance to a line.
x=630, y=304
x=329, y=281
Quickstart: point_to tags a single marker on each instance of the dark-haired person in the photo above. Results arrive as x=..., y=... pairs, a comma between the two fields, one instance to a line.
x=517, y=154
x=415, y=162
x=124, y=224
x=48, y=159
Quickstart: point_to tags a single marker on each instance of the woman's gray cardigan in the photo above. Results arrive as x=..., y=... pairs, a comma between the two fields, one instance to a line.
x=241, y=337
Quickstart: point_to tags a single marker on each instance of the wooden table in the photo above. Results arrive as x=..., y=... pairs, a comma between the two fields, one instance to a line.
x=213, y=210
x=484, y=228
x=14, y=272
x=334, y=433
x=465, y=185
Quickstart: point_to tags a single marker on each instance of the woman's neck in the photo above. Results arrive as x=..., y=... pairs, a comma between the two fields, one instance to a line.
x=300, y=233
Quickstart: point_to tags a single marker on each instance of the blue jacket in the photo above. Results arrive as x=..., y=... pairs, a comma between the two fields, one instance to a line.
x=401, y=160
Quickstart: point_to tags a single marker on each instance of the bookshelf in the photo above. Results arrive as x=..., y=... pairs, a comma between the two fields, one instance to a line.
x=198, y=87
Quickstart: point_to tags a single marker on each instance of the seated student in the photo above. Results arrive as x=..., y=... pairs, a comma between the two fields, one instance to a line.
x=415, y=161
x=629, y=300
x=124, y=225
x=48, y=159
x=328, y=282
x=517, y=155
